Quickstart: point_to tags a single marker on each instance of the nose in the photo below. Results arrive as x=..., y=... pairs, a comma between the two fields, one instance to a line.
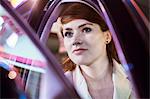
x=76, y=43
x=78, y=39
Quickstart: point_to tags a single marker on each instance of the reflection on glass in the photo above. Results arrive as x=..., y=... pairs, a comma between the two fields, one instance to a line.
x=21, y=55
x=24, y=62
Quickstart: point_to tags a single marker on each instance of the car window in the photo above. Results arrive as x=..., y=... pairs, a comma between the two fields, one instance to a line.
x=130, y=37
x=52, y=32
x=23, y=59
x=19, y=52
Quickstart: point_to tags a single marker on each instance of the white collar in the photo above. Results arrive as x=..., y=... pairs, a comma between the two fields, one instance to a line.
x=122, y=89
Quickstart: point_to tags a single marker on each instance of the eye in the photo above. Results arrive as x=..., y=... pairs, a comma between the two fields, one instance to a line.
x=86, y=30
x=68, y=34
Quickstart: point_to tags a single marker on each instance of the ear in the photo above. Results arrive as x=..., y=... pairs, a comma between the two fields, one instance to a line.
x=108, y=36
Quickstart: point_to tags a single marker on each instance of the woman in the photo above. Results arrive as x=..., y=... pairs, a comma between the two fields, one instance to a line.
x=92, y=65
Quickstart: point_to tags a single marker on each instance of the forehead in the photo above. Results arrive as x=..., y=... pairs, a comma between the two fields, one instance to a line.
x=76, y=23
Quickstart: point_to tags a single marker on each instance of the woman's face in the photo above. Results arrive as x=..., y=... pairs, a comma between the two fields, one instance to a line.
x=84, y=41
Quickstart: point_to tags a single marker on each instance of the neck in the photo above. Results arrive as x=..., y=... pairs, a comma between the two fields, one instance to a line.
x=98, y=69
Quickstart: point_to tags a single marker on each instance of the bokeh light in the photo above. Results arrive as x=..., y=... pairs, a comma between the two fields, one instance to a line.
x=12, y=74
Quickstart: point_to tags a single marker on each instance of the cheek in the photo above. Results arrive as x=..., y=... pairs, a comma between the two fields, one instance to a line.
x=97, y=43
x=95, y=40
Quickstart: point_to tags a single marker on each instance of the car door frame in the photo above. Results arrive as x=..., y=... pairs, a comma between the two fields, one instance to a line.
x=53, y=63
x=132, y=46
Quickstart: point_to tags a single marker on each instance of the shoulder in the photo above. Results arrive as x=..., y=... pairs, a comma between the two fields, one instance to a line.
x=69, y=75
x=122, y=83
x=119, y=69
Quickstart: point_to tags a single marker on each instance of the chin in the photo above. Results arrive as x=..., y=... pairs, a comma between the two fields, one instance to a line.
x=80, y=62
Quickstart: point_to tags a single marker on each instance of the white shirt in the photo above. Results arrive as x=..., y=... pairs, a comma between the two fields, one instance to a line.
x=122, y=88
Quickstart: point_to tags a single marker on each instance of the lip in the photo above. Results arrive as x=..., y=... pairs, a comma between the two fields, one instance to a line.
x=79, y=51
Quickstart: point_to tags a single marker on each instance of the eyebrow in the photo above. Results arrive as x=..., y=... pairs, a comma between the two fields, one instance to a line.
x=82, y=25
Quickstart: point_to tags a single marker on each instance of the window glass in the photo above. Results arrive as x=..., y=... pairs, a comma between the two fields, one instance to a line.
x=55, y=42
x=20, y=54
x=23, y=59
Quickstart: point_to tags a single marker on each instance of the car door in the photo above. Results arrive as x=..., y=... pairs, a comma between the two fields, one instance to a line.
x=28, y=70
x=129, y=31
